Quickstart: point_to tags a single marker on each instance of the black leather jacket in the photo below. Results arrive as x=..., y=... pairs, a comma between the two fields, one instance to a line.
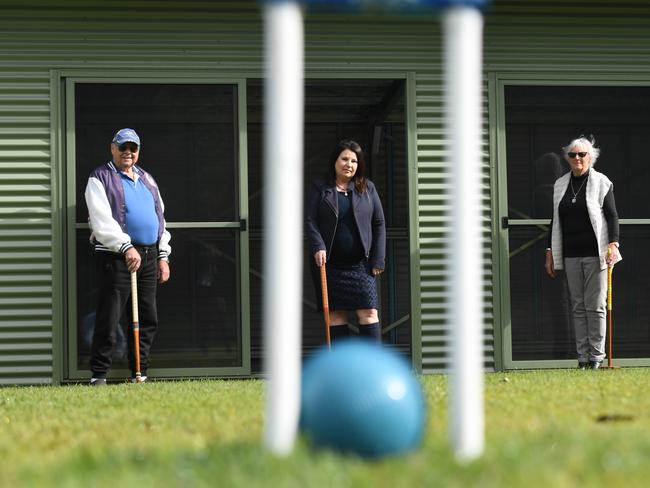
x=321, y=217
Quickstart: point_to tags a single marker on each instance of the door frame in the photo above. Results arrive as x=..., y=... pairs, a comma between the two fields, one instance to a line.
x=497, y=81
x=64, y=82
x=410, y=122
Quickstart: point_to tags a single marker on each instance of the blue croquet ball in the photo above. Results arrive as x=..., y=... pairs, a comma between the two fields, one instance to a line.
x=360, y=397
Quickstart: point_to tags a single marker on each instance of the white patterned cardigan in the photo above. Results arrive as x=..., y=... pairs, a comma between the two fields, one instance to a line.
x=598, y=185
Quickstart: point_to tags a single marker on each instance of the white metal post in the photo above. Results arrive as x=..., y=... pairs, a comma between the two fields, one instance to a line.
x=283, y=220
x=463, y=42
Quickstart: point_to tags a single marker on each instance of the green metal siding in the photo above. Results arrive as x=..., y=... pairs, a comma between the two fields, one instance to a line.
x=38, y=36
x=25, y=227
x=434, y=208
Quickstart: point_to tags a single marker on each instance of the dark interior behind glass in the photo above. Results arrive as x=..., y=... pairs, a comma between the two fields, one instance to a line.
x=189, y=144
x=334, y=110
x=540, y=120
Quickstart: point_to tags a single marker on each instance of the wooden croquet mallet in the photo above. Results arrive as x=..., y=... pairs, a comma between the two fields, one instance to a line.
x=610, y=269
x=136, y=326
x=326, y=305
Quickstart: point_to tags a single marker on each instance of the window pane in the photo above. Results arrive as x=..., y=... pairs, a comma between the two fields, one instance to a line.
x=542, y=119
x=630, y=285
x=188, y=143
x=198, y=309
x=540, y=310
x=541, y=314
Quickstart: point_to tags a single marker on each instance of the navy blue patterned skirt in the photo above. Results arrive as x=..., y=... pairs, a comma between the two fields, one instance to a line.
x=351, y=287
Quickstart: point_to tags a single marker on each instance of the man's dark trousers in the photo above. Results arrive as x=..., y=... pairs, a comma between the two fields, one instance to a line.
x=114, y=296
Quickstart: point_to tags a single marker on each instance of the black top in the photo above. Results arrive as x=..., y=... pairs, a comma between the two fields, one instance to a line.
x=578, y=236
x=347, y=247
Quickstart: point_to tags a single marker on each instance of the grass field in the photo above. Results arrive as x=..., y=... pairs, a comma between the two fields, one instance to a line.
x=562, y=428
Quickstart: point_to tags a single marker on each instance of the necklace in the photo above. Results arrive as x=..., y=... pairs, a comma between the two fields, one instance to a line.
x=341, y=189
x=575, y=193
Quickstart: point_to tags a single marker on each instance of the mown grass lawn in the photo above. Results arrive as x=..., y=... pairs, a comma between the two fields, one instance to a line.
x=562, y=428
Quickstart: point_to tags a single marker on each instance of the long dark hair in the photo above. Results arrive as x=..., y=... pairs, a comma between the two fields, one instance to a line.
x=359, y=178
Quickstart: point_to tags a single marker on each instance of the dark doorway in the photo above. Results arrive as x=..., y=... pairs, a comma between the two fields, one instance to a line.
x=540, y=120
x=189, y=136
x=372, y=112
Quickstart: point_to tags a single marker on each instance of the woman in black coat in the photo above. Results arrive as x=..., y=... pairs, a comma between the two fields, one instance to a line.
x=346, y=229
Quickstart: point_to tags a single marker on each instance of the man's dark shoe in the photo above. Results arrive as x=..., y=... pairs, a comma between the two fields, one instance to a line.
x=97, y=382
x=595, y=364
x=582, y=365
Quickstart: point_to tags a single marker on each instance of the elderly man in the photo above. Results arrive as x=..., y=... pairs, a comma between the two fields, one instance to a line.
x=128, y=233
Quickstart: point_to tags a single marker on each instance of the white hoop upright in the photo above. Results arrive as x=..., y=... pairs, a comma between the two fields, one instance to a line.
x=283, y=150
x=463, y=38
x=283, y=221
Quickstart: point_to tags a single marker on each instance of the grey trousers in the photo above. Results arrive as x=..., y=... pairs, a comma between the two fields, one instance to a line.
x=588, y=289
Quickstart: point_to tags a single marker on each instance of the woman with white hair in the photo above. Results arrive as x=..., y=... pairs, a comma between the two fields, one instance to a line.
x=583, y=241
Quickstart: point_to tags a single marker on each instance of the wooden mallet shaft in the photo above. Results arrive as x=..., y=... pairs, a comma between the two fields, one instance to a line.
x=136, y=326
x=326, y=306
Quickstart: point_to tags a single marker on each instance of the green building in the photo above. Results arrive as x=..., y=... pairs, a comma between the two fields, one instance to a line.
x=188, y=77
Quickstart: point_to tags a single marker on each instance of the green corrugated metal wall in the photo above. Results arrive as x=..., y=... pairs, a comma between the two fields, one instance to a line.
x=37, y=36
x=25, y=226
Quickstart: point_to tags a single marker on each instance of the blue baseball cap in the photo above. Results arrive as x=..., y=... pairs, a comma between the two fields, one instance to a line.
x=126, y=135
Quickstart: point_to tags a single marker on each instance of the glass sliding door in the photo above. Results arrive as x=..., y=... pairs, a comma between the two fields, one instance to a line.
x=191, y=145
x=539, y=120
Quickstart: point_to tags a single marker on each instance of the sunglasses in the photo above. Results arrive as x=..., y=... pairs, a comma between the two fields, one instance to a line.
x=128, y=146
x=573, y=155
